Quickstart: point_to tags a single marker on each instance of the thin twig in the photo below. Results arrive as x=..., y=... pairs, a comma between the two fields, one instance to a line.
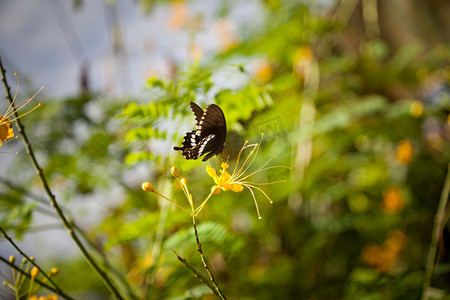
x=437, y=229
x=52, y=197
x=200, y=250
x=35, y=280
x=92, y=247
x=196, y=274
x=60, y=292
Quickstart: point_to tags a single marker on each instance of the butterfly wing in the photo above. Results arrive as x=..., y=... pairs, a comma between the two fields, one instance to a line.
x=209, y=136
x=198, y=113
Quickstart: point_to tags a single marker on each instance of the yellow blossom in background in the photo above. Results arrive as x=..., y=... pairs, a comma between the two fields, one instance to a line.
x=302, y=62
x=49, y=297
x=416, y=108
x=384, y=257
x=226, y=34
x=262, y=71
x=393, y=200
x=34, y=272
x=54, y=271
x=6, y=130
x=179, y=15
x=405, y=152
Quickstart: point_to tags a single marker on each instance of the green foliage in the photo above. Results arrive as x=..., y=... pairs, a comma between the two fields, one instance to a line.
x=365, y=130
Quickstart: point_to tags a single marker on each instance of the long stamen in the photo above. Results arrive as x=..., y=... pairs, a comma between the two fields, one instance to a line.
x=263, y=169
x=238, y=173
x=254, y=199
x=260, y=191
x=239, y=156
x=256, y=153
x=13, y=109
x=261, y=183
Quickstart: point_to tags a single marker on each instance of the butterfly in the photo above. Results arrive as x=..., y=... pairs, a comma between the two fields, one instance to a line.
x=209, y=136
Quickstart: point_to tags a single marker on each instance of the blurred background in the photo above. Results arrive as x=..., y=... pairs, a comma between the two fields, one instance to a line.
x=353, y=95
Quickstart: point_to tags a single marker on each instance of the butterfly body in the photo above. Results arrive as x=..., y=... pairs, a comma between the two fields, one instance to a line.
x=208, y=137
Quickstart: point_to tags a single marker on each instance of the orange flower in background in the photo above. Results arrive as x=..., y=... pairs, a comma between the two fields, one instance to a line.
x=263, y=71
x=384, y=257
x=227, y=36
x=393, y=200
x=405, y=152
x=179, y=15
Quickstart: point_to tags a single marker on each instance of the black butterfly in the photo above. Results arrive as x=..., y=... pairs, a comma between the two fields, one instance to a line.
x=209, y=136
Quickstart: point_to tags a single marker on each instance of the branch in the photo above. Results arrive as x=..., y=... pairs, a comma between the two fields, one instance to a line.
x=437, y=229
x=35, y=280
x=52, y=197
x=196, y=274
x=211, y=276
x=60, y=292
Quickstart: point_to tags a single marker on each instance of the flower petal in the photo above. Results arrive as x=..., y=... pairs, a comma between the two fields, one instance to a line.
x=211, y=172
x=236, y=187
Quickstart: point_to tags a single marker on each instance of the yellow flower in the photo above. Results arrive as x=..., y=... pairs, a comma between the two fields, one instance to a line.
x=224, y=181
x=237, y=180
x=49, y=297
x=6, y=130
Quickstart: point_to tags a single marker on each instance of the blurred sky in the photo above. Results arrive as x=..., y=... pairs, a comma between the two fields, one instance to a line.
x=49, y=42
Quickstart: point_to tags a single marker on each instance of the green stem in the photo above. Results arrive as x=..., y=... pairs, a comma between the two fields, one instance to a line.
x=50, y=288
x=92, y=248
x=200, y=250
x=437, y=229
x=52, y=197
x=196, y=274
x=60, y=292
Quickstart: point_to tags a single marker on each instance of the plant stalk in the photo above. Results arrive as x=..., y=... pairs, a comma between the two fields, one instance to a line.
x=52, y=197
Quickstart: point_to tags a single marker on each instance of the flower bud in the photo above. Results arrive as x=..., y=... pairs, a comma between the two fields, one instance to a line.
x=54, y=271
x=34, y=272
x=12, y=259
x=148, y=187
x=183, y=181
x=174, y=172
